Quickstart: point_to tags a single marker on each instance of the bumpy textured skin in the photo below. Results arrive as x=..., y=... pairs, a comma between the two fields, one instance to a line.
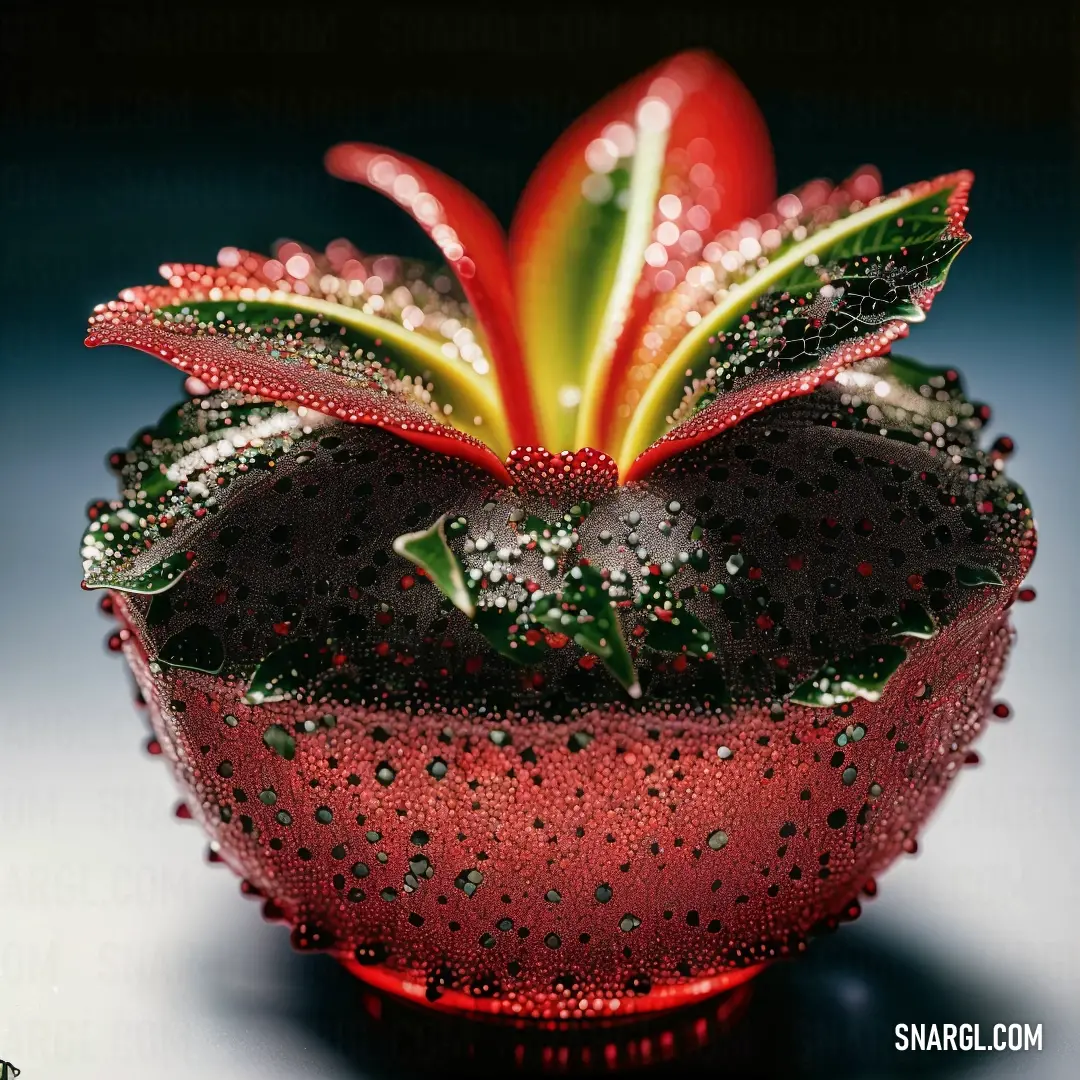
x=527, y=840
x=704, y=915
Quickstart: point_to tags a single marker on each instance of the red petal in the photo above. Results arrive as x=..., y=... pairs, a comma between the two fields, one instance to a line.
x=223, y=362
x=473, y=243
x=717, y=162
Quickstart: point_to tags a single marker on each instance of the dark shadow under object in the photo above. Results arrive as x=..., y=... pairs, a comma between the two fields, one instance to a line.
x=830, y=1014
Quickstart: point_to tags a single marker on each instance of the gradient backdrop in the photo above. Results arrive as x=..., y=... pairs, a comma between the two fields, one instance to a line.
x=155, y=136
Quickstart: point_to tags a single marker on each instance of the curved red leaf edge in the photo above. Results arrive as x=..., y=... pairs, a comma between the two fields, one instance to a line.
x=474, y=245
x=237, y=269
x=223, y=363
x=732, y=409
x=296, y=270
x=729, y=410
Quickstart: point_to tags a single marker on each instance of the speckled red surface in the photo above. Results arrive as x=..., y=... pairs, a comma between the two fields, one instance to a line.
x=631, y=814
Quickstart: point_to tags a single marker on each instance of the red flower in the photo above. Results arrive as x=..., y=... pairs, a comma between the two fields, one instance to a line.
x=502, y=732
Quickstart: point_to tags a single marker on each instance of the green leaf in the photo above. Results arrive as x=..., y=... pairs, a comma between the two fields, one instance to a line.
x=195, y=648
x=917, y=398
x=973, y=577
x=278, y=739
x=914, y=375
x=160, y=610
x=190, y=426
x=160, y=577
x=583, y=611
x=537, y=528
x=676, y=630
x=684, y=633
x=495, y=624
x=913, y=621
x=179, y=450
x=429, y=550
x=338, y=337
x=844, y=280
x=863, y=675
x=289, y=671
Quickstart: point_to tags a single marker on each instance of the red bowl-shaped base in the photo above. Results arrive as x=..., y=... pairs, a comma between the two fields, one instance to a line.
x=675, y=996
x=623, y=861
